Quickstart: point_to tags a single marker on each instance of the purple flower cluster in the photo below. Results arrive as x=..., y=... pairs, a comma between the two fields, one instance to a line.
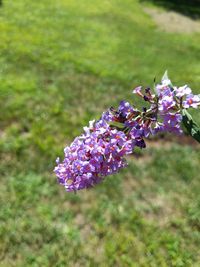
x=165, y=112
x=92, y=156
x=101, y=149
x=168, y=110
x=171, y=101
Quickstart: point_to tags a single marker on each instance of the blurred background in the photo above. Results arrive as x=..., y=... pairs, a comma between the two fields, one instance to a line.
x=62, y=63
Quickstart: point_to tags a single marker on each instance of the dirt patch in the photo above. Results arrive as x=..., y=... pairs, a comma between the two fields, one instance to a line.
x=171, y=21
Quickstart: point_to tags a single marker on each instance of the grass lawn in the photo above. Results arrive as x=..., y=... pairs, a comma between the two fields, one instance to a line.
x=62, y=63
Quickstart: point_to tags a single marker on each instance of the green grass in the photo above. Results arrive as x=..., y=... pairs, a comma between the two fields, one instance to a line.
x=62, y=63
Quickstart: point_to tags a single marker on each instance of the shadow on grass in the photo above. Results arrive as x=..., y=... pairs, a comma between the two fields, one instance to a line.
x=189, y=8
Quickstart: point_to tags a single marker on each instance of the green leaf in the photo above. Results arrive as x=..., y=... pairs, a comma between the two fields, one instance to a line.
x=116, y=124
x=165, y=76
x=192, y=128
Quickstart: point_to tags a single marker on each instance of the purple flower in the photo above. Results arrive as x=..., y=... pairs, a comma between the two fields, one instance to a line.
x=106, y=117
x=165, y=85
x=166, y=103
x=137, y=91
x=125, y=108
x=172, y=119
x=182, y=91
x=172, y=122
x=191, y=101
